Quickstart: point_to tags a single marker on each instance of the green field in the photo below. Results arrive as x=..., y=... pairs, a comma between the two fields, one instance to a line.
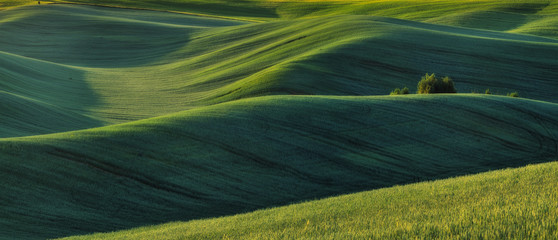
x=276, y=150
x=117, y=118
x=539, y=17
x=508, y=204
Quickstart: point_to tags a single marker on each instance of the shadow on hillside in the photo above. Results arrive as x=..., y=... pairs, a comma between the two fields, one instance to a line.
x=97, y=36
x=40, y=98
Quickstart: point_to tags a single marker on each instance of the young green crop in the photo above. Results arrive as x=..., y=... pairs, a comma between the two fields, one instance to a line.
x=259, y=152
x=160, y=117
x=149, y=64
x=508, y=204
x=532, y=17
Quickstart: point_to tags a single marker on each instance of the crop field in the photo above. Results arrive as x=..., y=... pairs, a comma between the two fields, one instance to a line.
x=232, y=119
x=509, y=204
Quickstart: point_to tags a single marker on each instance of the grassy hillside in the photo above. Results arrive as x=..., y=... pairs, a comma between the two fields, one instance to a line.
x=261, y=152
x=5, y=4
x=508, y=204
x=41, y=97
x=51, y=58
x=536, y=17
x=119, y=65
x=115, y=118
x=96, y=36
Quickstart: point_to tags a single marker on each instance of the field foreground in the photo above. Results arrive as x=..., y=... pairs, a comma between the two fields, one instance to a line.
x=507, y=204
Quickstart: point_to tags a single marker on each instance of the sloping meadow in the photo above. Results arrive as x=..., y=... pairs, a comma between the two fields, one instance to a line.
x=245, y=155
x=119, y=118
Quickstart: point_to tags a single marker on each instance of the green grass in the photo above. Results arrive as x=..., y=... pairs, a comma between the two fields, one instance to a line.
x=147, y=64
x=116, y=118
x=5, y=4
x=276, y=150
x=532, y=17
x=535, y=17
x=508, y=204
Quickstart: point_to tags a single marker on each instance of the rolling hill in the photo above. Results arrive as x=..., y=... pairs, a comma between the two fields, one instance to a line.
x=146, y=65
x=114, y=118
x=537, y=17
x=508, y=204
x=249, y=154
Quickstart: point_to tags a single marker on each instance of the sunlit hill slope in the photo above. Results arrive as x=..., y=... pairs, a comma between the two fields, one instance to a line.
x=509, y=204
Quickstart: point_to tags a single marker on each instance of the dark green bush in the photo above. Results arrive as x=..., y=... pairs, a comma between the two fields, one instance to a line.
x=405, y=90
x=487, y=91
x=513, y=94
x=398, y=91
x=432, y=84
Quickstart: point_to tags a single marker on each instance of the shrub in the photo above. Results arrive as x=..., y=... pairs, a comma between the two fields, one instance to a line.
x=513, y=94
x=405, y=90
x=487, y=91
x=432, y=84
x=398, y=91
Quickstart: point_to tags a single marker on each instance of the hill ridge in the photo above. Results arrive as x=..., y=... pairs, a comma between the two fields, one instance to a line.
x=303, y=147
